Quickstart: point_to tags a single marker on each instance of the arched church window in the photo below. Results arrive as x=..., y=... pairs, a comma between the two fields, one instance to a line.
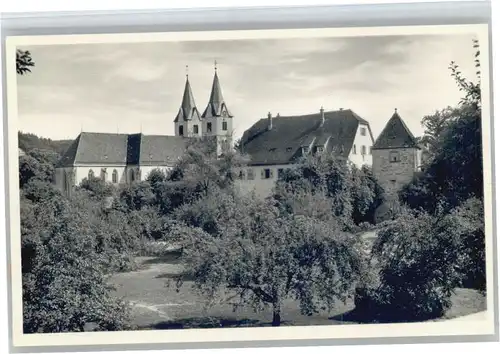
x=90, y=174
x=115, y=176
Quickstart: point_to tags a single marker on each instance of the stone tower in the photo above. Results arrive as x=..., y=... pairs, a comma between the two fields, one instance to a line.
x=217, y=119
x=396, y=156
x=188, y=120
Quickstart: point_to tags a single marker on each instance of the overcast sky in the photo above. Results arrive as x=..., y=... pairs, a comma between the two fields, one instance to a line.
x=121, y=87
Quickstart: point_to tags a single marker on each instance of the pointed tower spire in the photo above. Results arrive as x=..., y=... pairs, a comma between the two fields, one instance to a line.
x=216, y=105
x=188, y=106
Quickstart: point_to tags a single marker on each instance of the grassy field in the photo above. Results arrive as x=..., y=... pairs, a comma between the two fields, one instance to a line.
x=158, y=306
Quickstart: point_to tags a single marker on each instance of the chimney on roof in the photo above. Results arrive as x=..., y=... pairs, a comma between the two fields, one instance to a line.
x=341, y=108
x=322, y=113
x=269, y=121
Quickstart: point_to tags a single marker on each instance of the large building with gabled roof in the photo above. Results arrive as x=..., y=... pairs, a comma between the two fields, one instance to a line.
x=396, y=156
x=125, y=158
x=274, y=144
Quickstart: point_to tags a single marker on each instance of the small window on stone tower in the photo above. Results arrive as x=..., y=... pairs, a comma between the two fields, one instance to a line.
x=181, y=130
x=224, y=126
x=209, y=127
x=394, y=156
x=195, y=129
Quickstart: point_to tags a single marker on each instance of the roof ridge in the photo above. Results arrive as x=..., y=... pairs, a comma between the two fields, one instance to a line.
x=392, y=137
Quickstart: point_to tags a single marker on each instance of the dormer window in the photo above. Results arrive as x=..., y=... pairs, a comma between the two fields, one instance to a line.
x=181, y=130
x=319, y=149
x=209, y=127
x=305, y=150
x=272, y=149
x=224, y=126
x=288, y=149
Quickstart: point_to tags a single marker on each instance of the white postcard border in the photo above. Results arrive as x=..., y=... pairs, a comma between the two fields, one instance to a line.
x=445, y=328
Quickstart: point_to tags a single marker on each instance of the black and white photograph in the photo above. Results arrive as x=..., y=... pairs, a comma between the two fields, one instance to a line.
x=303, y=183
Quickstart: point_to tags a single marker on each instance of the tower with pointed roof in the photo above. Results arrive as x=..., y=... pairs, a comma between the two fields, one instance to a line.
x=217, y=119
x=396, y=156
x=188, y=120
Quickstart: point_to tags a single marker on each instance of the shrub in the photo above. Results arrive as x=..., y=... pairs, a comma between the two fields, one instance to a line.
x=64, y=282
x=417, y=266
x=469, y=219
x=388, y=210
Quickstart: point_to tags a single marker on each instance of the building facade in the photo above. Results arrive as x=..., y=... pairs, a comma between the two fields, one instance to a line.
x=272, y=143
x=277, y=143
x=125, y=158
x=396, y=156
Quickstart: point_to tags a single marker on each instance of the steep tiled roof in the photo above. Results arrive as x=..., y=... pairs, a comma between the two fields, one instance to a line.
x=283, y=142
x=122, y=149
x=188, y=108
x=161, y=150
x=395, y=135
x=216, y=104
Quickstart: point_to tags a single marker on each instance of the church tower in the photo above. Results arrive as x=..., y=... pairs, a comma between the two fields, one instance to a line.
x=188, y=120
x=396, y=156
x=217, y=119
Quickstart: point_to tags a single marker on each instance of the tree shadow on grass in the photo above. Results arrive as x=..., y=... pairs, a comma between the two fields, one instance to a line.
x=368, y=317
x=356, y=317
x=174, y=275
x=206, y=322
x=169, y=258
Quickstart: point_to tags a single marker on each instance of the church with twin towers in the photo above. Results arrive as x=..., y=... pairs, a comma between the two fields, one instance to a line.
x=273, y=144
x=126, y=158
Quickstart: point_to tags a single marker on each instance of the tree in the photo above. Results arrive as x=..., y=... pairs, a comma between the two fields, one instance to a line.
x=24, y=62
x=96, y=187
x=354, y=193
x=137, y=195
x=471, y=89
x=435, y=125
x=367, y=195
x=200, y=165
x=455, y=172
x=419, y=263
x=37, y=164
x=64, y=286
x=252, y=253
